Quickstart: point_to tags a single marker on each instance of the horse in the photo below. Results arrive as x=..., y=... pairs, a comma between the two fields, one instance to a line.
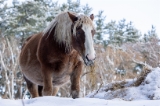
x=55, y=56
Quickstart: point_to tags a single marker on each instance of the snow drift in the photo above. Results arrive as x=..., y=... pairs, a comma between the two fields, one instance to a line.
x=147, y=87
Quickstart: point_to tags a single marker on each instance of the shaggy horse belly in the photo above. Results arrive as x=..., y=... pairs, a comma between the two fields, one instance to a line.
x=33, y=73
x=60, y=80
x=35, y=76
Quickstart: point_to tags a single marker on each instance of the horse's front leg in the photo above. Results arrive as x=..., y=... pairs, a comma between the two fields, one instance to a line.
x=75, y=80
x=47, y=82
x=55, y=90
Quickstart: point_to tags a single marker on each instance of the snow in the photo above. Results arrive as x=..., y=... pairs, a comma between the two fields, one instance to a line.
x=146, y=94
x=57, y=101
x=149, y=89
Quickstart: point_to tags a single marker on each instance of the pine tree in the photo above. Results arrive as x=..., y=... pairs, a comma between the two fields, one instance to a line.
x=132, y=34
x=86, y=9
x=74, y=6
x=2, y=9
x=100, y=29
x=151, y=34
x=29, y=17
x=110, y=30
x=3, y=15
x=122, y=32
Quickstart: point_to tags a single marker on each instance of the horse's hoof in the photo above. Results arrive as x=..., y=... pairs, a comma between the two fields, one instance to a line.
x=75, y=94
x=47, y=93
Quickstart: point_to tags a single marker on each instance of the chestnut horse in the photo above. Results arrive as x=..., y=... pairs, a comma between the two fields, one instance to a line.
x=53, y=57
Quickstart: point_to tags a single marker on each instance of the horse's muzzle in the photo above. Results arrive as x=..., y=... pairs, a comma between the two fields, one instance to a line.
x=88, y=62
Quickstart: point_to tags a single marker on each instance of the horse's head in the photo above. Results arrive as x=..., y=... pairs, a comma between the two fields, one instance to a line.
x=82, y=40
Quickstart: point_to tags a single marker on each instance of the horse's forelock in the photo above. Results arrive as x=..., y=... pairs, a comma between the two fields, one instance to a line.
x=82, y=19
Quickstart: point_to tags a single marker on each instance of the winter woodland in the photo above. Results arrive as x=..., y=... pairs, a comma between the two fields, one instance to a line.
x=123, y=52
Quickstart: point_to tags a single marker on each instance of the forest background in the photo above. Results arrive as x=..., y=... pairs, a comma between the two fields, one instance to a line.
x=121, y=55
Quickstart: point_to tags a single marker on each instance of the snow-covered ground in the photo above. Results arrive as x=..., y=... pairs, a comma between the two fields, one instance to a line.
x=145, y=94
x=56, y=101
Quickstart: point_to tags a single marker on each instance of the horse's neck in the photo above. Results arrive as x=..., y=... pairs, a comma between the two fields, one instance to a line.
x=57, y=46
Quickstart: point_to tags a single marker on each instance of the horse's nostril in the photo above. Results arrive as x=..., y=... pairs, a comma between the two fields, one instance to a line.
x=87, y=57
x=88, y=62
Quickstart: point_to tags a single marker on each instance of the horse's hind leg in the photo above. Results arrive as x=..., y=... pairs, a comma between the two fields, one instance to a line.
x=33, y=89
x=54, y=90
x=40, y=88
x=75, y=80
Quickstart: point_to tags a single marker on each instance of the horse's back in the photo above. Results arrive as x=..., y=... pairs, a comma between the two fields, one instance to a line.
x=28, y=59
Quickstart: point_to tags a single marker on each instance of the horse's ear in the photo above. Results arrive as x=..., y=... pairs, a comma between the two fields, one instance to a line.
x=72, y=17
x=92, y=17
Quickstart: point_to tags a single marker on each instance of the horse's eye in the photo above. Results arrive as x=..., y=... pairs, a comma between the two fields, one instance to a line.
x=93, y=32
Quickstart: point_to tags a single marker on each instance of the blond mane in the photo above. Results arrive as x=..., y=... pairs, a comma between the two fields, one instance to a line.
x=63, y=23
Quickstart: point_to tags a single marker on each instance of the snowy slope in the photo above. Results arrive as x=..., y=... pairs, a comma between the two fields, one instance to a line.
x=56, y=101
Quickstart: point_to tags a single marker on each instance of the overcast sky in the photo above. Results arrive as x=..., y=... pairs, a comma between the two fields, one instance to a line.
x=143, y=13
